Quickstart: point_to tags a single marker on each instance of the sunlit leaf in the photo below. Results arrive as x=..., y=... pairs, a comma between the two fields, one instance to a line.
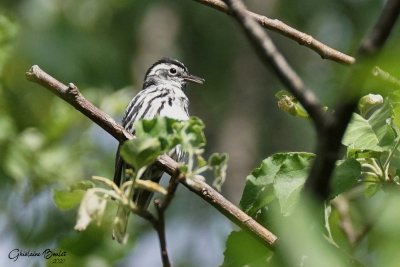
x=360, y=135
x=374, y=133
x=380, y=122
x=141, y=151
x=290, y=179
x=280, y=177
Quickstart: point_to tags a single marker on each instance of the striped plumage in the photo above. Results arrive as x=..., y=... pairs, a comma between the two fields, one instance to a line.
x=162, y=95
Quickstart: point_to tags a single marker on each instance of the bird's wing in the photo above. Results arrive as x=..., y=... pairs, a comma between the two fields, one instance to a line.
x=147, y=104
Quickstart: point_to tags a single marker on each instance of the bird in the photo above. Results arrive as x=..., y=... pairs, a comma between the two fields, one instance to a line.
x=163, y=95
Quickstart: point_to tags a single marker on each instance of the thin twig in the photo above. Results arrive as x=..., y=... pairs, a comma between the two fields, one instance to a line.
x=173, y=185
x=271, y=56
x=278, y=26
x=73, y=97
x=160, y=228
x=161, y=207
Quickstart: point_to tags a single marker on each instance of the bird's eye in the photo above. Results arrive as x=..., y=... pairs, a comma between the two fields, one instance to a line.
x=172, y=71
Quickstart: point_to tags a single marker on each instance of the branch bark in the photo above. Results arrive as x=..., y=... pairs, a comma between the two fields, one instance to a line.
x=271, y=56
x=278, y=26
x=73, y=97
x=377, y=37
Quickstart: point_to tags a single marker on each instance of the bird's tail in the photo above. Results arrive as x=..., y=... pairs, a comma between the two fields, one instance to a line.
x=141, y=198
x=120, y=224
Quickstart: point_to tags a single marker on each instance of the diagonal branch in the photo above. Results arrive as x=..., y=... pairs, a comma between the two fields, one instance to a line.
x=271, y=56
x=278, y=26
x=73, y=97
x=377, y=37
x=220, y=203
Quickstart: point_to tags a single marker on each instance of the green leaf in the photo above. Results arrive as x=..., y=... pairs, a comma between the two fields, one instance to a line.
x=290, y=179
x=396, y=115
x=345, y=175
x=217, y=159
x=280, y=177
x=218, y=162
x=191, y=134
x=395, y=101
x=242, y=249
x=161, y=128
x=67, y=199
x=141, y=151
x=360, y=135
x=257, y=184
x=71, y=197
x=380, y=122
x=360, y=154
x=375, y=134
x=372, y=184
x=170, y=132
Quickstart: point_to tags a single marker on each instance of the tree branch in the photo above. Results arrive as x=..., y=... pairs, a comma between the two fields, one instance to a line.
x=330, y=136
x=278, y=26
x=73, y=97
x=271, y=56
x=160, y=228
x=381, y=30
x=161, y=207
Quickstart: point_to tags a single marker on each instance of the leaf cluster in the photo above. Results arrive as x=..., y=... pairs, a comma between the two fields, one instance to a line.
x=370, y=165
x=153, y=138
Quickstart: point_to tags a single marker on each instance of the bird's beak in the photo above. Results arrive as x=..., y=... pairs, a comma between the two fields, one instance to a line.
x=193, y=79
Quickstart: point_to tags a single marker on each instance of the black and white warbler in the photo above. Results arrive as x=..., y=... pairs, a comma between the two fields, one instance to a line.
x=162, y=95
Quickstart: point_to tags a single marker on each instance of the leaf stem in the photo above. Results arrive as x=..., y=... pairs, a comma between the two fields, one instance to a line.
x=108, y=183
x=391, y=153
x=110, y=193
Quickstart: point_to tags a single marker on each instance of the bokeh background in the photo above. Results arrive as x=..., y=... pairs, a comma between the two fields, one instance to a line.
x=105, y=47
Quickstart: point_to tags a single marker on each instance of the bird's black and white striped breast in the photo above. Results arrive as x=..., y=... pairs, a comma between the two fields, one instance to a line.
x=156, y=101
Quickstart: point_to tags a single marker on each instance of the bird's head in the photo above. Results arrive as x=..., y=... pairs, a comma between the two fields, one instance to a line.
x=170, y=71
